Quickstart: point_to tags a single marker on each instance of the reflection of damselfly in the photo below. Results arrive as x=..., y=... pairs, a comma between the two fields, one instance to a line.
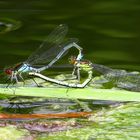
x=50, y=51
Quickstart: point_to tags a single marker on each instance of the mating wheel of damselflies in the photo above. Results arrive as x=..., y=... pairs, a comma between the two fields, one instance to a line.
x=49, y=52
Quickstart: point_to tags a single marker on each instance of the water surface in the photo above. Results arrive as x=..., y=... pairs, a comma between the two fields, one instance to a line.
x=108, y=30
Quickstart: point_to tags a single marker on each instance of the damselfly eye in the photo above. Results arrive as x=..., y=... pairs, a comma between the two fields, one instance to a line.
x=8, y=71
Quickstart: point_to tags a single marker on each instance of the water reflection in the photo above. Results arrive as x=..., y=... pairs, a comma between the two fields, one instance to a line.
x=50, y=106
x=25, y=105
x=7, y=25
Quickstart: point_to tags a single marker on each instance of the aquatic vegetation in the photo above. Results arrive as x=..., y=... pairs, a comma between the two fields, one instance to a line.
x=121, y=122
x=103, y=123
x=91, y=93
x=10, y=131
x=31, y=129
x=46, y=116
x=116, y=122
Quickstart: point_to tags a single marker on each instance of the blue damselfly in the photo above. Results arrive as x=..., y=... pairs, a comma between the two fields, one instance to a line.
x=50, y=51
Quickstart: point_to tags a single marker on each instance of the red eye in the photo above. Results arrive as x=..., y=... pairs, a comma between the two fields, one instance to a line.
x=8, y=71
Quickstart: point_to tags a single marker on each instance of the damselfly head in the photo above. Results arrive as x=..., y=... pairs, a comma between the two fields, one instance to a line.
x=72, y=59
x=14, y=68
x=8, y=71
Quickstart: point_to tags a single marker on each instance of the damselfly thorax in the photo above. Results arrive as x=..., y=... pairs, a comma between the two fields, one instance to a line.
x=12, y=69
x=20, y=68
x=82, y=64
x=17, y=70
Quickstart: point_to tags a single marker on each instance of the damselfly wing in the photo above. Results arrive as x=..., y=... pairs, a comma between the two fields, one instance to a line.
x=48, y=50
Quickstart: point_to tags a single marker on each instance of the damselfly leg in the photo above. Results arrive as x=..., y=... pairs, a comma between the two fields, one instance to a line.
x=63, y=83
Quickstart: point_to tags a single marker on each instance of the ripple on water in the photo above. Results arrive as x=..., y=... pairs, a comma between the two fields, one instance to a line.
x=8, y=24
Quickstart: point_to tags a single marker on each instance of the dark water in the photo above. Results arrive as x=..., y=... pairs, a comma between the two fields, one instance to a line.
x=109, y=31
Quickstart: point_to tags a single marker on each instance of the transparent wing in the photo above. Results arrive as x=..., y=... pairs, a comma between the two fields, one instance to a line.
x=59, y=50
x=50, y=47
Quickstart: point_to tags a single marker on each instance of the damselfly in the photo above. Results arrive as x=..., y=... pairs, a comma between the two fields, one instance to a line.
x=120, y=78
x=50, y=51
x=79, y=65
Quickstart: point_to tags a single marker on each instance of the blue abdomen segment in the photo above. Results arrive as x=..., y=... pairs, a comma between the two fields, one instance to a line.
x=26, y=68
